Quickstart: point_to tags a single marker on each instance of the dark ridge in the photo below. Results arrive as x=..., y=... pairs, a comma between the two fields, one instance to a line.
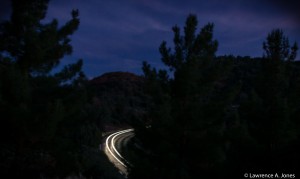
x=116, y=77
x=120, y=95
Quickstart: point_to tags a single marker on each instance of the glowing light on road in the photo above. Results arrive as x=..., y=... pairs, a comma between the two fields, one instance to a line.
x=112, y=147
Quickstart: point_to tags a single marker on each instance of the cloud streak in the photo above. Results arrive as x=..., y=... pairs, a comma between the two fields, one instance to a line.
x=118, y=35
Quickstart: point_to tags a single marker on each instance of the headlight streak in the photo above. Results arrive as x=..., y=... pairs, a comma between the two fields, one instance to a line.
x=114, y=135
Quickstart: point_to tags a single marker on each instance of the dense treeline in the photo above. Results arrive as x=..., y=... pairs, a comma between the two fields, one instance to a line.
x=49, y=125
x=221, y=116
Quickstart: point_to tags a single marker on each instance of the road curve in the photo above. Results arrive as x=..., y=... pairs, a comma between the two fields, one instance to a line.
x=113, y=146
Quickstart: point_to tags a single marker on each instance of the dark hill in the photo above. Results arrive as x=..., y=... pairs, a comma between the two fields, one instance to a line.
x=117, y=77
x=118, y=83
x=120, y=96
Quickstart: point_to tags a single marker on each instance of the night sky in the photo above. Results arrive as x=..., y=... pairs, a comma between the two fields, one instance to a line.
x=117, y=35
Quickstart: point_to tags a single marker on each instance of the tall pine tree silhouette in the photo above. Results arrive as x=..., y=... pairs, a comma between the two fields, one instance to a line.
x=49, y=125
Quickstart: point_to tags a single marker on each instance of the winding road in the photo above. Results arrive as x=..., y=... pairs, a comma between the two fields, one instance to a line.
x=113, y=149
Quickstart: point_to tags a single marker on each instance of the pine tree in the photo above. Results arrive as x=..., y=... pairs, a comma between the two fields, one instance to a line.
x=49, y=123
x=188, y=109
x=273, y=86
x=34, y=46
x=269, y=108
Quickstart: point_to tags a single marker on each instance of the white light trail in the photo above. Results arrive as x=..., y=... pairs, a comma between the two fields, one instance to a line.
x=113, y=145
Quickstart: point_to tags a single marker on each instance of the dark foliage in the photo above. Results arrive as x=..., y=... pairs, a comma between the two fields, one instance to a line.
x=220, y=117
x=49, y=125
